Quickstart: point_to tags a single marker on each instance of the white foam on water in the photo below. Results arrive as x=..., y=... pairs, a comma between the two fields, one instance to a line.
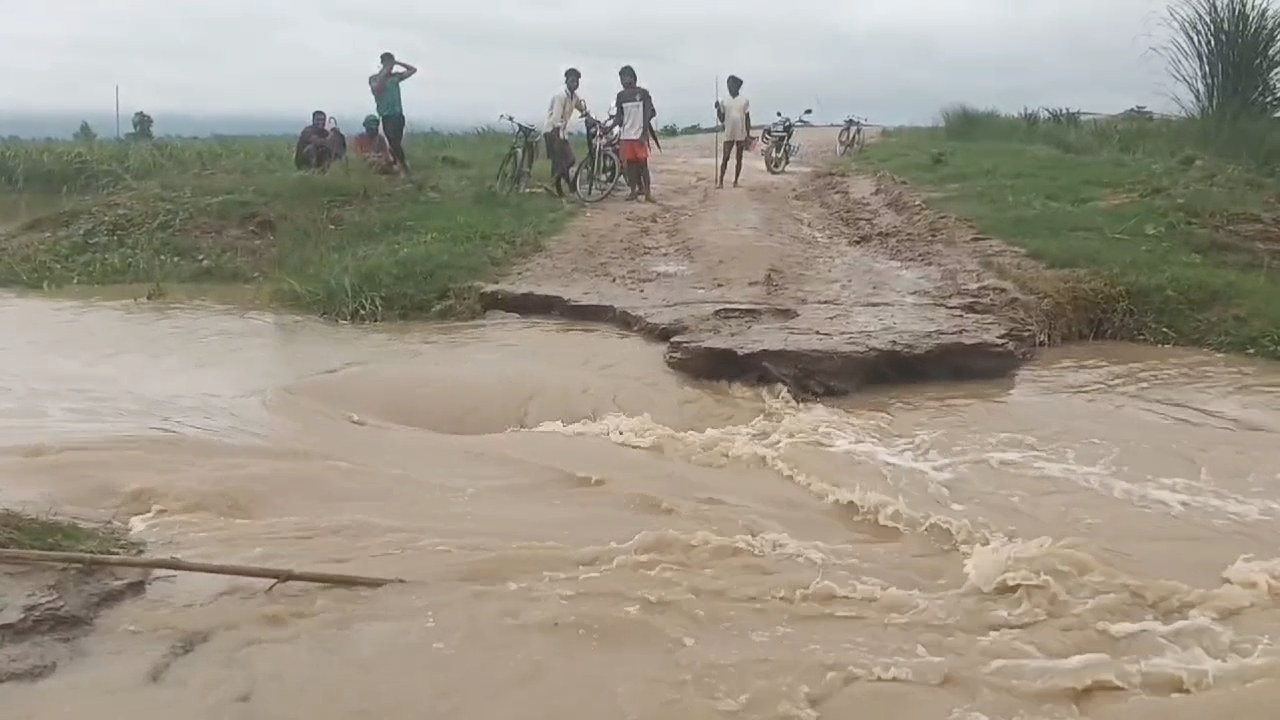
x=786, y=424
x=670, y=269
x=1015, y=584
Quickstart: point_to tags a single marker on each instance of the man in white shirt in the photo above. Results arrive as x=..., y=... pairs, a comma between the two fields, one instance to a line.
x=735, y=115
x=559, y=151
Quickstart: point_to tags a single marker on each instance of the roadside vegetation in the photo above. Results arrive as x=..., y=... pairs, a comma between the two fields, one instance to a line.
x=1180, y=217
x=19, y=531
x=349, y=244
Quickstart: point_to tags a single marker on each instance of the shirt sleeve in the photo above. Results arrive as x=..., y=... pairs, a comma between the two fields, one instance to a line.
x=555, y=114
x=746, y=106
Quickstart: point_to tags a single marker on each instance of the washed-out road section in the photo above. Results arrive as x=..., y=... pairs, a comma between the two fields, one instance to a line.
x=821, y=281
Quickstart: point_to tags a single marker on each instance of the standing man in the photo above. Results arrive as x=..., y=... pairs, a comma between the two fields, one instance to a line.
x=385, y=85
x=735, y=115
x=634, y=117
x=560, y=113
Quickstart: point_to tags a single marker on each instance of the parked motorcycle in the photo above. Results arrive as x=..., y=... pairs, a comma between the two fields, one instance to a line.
x=776, y=142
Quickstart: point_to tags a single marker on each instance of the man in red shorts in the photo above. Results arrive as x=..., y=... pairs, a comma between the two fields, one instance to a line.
x=634, y=117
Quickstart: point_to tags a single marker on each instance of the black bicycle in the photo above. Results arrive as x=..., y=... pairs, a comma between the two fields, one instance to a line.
x=599, y=172
x=517, y=166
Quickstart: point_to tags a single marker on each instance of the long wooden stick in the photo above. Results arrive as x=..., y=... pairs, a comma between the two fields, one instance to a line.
x=715, y=152
x=277, y=574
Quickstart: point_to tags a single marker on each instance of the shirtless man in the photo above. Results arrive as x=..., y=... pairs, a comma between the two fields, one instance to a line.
x=735, y=115
x=635, y=116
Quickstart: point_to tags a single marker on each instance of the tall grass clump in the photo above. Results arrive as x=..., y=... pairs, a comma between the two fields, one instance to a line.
x=968, y=123
x=1224, y=56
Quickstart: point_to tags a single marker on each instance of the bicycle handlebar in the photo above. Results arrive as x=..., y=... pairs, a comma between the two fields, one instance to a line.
x=517, y=123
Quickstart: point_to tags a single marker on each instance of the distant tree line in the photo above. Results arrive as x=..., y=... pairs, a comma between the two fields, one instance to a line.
x=142, y=130
x=673, y=130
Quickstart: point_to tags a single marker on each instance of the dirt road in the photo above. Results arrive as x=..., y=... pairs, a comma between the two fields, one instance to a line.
x=821, y=281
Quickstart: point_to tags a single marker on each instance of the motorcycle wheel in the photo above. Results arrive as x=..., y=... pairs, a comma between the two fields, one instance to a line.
x=775, y=159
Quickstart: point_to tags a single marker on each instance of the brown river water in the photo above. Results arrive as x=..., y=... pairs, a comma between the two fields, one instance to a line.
x=588, y=535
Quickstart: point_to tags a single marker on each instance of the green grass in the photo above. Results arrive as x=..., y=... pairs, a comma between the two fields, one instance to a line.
x=19, y=531
x=349, y=244
x=1169, y=212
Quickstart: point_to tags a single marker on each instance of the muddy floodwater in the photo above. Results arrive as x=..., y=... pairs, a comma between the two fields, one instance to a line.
x=588, y=535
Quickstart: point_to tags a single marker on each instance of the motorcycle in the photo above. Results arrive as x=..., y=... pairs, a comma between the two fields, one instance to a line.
x=775, y=142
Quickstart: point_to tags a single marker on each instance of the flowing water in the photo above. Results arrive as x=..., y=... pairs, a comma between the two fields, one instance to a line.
x=587, y=535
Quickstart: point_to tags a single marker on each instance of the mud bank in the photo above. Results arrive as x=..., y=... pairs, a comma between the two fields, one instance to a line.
x=822, y=282
x=43, y=611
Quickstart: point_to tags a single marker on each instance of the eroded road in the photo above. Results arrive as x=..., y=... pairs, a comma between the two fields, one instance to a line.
x=819, y=281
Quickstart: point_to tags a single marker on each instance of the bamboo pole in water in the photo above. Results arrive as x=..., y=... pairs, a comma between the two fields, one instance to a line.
x=35, y=557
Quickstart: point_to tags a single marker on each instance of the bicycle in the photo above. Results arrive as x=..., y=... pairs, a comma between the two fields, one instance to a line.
x=598, y=174
x=517, y=166
x=851, y=136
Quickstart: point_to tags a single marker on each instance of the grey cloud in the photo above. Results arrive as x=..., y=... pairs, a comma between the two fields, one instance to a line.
x=892, y=60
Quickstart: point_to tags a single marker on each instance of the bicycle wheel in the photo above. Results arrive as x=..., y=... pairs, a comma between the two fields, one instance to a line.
x=530, y=158
x=509, y=172
x=596, y=177
x=842, y=141
x=859, y=140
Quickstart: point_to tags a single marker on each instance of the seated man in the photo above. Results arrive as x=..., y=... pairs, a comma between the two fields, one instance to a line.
x=372, y=146
x=314, y=150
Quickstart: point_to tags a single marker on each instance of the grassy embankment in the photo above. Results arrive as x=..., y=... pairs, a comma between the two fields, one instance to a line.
x=1178, y=219
x=349, y=245
x=1175, y=221
x=19, y=531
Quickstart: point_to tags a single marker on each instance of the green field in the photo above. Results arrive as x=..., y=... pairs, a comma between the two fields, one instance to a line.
x=1179, y=216
x=348, y=245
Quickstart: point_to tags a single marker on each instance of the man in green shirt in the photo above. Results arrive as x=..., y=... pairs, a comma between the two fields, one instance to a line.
x=385, y=85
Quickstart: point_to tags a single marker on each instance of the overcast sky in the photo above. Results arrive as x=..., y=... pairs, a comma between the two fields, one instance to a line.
x=894, y=61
